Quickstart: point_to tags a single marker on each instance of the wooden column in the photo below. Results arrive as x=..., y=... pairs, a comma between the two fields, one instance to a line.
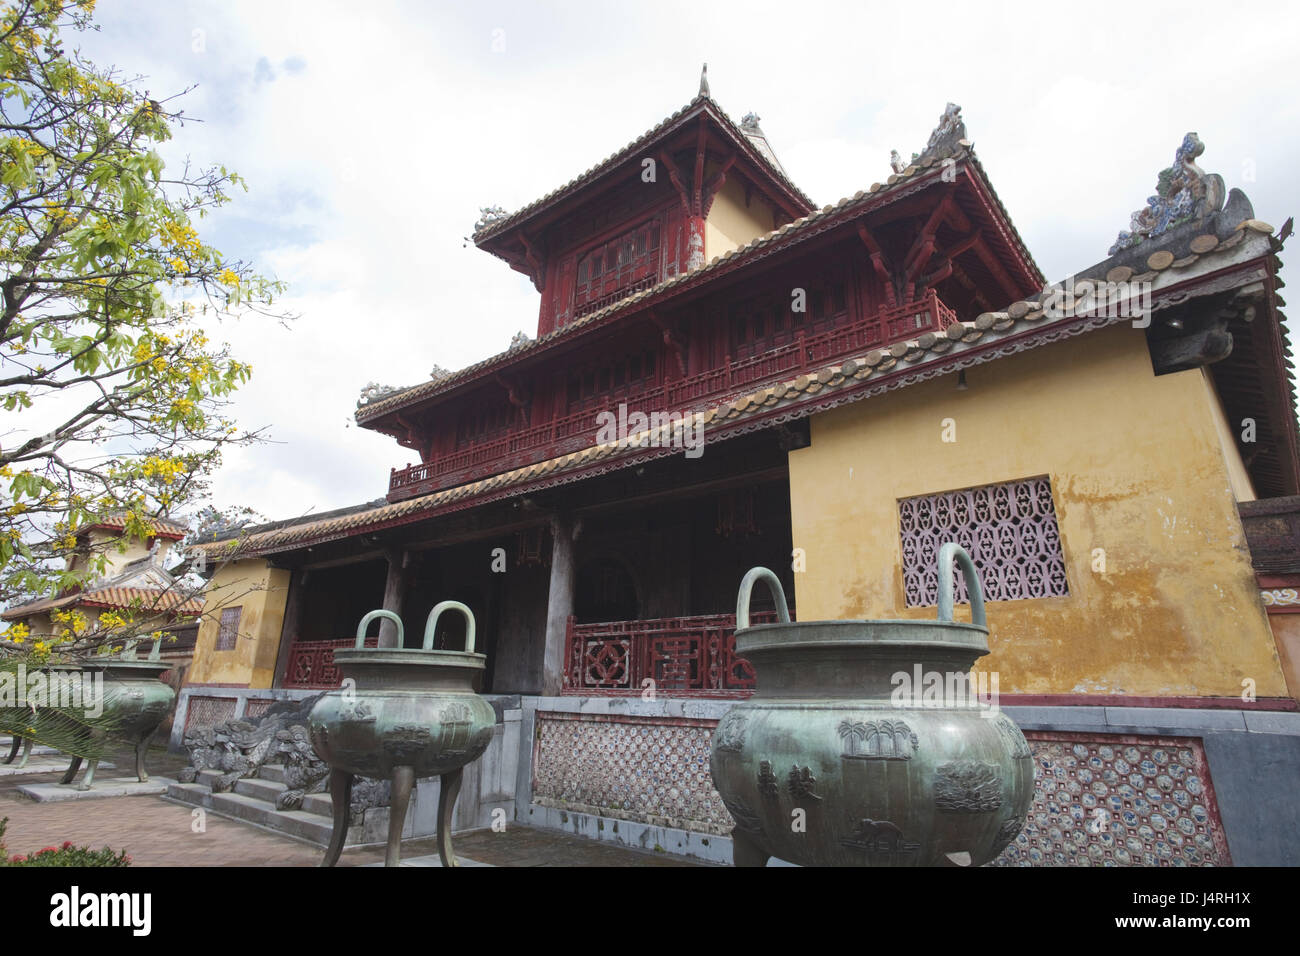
x=289, y=632
x=559, y=604
x=394, y=594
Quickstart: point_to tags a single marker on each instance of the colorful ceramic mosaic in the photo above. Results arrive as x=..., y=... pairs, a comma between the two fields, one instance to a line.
x=652, y=770
x=208, y=711
x=1119, y=801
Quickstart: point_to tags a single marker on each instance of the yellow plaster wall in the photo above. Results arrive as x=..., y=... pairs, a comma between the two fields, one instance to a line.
x=261, y=592
x=731, y=224
x=1137, y=469
x=1242, y=486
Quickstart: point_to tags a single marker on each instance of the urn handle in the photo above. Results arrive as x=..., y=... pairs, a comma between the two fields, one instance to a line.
x=947, y=554
x=386, y=615
x=746, y=589
x=431, y=626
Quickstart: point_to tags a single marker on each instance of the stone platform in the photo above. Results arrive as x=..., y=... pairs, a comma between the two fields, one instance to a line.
x=51, y=761
x=104, y=787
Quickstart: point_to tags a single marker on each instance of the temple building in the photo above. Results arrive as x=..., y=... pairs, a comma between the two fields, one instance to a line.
x=726, y=375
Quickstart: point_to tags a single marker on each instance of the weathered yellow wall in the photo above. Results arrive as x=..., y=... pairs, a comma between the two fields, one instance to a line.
x=1137, y=469
x=261, y=592
x=731, y=223
x=1242, y=486
x=118, y=560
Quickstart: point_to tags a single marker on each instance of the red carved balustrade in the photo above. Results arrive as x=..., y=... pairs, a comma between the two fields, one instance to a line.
x=684, y=656
x=311, y=663
x=693, y=393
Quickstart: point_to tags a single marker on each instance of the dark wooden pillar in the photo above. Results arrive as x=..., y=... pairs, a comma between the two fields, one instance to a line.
x=559, y=603
x=394, y=595
x=289, y=632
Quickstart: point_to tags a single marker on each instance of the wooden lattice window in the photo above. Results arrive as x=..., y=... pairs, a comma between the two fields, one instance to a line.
x=228, y=632
x=597, y=384
x=1009, y=530
x=483, y=422
x=769, y=321
x=617, y=268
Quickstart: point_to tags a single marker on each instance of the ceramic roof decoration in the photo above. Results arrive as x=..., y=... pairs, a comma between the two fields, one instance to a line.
x=1183, y=192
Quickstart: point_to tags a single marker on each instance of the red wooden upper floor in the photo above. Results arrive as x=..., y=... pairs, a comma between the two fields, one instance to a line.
x=639, y=321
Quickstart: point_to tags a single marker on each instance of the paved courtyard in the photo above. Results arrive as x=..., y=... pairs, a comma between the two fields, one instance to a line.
x=156, y=832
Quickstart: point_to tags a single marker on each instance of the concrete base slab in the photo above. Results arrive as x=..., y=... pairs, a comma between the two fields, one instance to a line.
x=50, y=762
x=433, y=859
x=104, y=787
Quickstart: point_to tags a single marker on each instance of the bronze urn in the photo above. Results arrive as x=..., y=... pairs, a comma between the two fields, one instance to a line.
x=410, y=714
x=840, y=759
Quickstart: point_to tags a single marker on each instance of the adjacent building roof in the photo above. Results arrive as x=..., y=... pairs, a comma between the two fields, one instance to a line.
x=141, y=586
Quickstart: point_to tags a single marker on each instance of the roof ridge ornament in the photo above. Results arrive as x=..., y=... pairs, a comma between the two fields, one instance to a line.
x=489, y=216
x=374, y=392
x=947, y=136
x=704, y=82
x=1183, y=192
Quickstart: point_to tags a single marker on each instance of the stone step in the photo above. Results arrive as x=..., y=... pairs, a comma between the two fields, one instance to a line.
x=320, y=803
x=194, y=794
x=207, y=777
x=298, y=823
x=271, y=772
x=266, y=790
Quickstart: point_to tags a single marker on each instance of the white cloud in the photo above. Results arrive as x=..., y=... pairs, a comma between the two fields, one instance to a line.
x=370, y=136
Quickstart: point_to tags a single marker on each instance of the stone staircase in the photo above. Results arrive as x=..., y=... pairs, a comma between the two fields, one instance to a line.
x=253, y=801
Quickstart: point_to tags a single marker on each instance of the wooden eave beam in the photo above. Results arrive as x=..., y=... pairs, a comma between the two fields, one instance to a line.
x=535, y=262
x=675, y=177
x=878, y=261
x=697, y=182
x=715, y=183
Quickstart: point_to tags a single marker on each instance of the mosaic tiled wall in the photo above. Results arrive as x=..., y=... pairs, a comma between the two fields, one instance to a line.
x=1099, y=800
x=257, y=706
x=1119, y=801
x=653, y=770
x=208, y=711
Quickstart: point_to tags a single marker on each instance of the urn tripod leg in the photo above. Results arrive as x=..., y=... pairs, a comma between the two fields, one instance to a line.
x=88, y=780
x=27, y=752
x=141, y=749
x=403, y=782
x=447, y=794
x=72, y=770
x=745, y=852
x=13, y=749
x=341, y=796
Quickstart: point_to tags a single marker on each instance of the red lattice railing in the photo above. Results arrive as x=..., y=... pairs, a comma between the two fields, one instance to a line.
x=311, y=663
x=684, y=656
x=697, y=392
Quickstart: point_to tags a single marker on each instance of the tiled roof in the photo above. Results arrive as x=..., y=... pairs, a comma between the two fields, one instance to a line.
x=631, y=149
x=1024, y=321
x=756, y=248
x=170, y=602
x=165, y=527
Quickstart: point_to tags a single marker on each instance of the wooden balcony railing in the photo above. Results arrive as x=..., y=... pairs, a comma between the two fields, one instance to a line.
x=683, y=656
x=693, y=393
x=311, y=663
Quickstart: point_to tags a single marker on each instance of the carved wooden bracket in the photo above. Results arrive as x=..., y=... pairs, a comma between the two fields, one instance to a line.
x=536, y=262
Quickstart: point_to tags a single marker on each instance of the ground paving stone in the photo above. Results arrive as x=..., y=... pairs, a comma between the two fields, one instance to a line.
x=157, y=832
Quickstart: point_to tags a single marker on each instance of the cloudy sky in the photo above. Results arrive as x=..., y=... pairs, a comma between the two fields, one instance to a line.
x=370, y=135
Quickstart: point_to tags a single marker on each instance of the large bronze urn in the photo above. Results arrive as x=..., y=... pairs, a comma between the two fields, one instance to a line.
x=135, y=701
x=412, y=713
x=865, y=743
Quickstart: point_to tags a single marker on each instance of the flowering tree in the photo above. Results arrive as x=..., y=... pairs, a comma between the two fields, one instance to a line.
x=112, y=395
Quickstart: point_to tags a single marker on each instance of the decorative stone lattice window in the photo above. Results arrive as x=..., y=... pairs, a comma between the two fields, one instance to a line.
x=1008, y=529
x=229, y=630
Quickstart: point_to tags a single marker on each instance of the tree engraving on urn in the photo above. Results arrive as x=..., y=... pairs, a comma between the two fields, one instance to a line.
x=1014, y=739
x=731, y=732
x=1006, y=833
x=456, y=719
x=877, y=740
x=968, y=786
x=802, y=782
x=882, y=842
x=767, y=782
